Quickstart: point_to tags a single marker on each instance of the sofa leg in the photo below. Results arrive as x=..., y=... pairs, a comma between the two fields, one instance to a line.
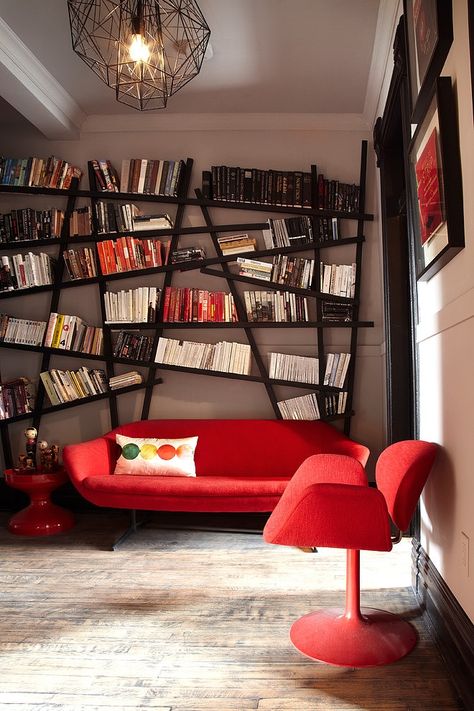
x=134, y=525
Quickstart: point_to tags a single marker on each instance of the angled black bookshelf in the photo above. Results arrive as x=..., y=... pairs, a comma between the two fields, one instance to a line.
x=217, y=266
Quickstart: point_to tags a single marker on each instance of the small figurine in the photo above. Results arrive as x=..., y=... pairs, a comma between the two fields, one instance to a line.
x=49, y=456
x=31, y=434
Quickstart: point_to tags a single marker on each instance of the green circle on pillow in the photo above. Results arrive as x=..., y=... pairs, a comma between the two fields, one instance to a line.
x=130, y=451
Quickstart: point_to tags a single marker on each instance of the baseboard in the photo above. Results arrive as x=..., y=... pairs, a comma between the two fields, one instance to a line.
x=452, y=629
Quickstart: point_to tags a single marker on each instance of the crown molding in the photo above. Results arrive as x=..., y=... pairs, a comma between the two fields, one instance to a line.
x=139, y=123
x=33, y=91
x=381, y=65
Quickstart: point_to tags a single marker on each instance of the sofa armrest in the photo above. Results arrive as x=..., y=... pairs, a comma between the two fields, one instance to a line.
x=94, y=457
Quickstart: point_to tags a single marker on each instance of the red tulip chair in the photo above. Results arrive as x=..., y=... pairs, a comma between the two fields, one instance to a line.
x=328, y=503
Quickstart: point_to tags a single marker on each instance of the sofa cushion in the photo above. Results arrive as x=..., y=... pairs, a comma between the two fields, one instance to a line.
x=146, y=456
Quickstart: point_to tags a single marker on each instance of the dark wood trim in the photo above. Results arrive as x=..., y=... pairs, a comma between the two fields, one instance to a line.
x=451, y=628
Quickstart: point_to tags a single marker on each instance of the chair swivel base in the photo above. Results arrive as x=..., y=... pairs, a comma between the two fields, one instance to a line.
x=374, y=638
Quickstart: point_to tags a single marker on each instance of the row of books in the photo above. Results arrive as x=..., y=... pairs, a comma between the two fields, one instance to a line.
x=275, y=306
x=49, y=172
x=80, y=222
x=338, y=279
x=184, y=305
x=21, y=331
x=135, y=305
x=80, y=263
x=125, y=380
x=288, y=232
x=151, y=177
x=130, y=253
x=126, y=217
x=291, y=271
x=68, y=385
x=228, y=357
x=334, y=404
x=300, y=369
x=134, y=346
x=337, y=365
x=71, y=333
x=253, y=185
x=307, y=407
x=335, y=195
x=336, y=311
x=22, y=271
x=28, y=224
x=303, y=407
x=17, y=397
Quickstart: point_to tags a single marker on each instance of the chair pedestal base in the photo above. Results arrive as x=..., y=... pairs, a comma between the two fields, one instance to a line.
x=376, y=637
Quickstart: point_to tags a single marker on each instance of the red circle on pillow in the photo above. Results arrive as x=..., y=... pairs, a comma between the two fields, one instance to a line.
x=166, y=451
x=184, y=450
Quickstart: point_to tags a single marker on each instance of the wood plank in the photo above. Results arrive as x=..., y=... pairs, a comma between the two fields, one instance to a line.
x=193, y=621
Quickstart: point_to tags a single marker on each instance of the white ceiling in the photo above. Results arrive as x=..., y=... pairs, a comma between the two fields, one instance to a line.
x=299, y=57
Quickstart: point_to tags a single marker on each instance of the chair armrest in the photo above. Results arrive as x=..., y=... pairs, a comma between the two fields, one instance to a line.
x=333, y=516
x=94, y=457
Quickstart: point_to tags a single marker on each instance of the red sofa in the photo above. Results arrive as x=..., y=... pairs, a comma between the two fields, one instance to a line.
x=241, y=465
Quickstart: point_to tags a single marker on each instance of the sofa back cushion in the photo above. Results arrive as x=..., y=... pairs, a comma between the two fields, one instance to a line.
x=249, y=447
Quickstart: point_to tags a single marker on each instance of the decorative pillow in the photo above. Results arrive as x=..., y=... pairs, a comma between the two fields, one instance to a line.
x=156, y=457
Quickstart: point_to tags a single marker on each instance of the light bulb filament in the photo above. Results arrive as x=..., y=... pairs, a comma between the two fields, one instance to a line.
x=139, y=51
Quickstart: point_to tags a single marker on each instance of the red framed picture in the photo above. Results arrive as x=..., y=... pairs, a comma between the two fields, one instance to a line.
x=436, y=201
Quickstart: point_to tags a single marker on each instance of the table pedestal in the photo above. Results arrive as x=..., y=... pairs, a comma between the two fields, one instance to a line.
x=41, y=517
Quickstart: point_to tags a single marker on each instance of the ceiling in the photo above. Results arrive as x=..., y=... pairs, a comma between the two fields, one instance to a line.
x=298, y=57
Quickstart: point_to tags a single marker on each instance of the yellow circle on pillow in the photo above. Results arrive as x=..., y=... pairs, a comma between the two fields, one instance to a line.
x=148, y=451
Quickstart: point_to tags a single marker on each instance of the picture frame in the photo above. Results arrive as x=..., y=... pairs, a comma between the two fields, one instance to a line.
x=435, y=181
x=429, y=35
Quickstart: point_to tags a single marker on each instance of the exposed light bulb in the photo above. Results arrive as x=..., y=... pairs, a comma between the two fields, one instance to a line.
x=138, y=50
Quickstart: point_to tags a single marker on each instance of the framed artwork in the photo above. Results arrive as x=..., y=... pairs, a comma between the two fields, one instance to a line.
x=436, y=201
x=429, y=29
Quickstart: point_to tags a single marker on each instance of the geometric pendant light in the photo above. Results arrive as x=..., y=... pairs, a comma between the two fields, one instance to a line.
x=146, y=50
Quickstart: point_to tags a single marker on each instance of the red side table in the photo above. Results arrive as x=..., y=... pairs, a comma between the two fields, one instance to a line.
x=41, y=517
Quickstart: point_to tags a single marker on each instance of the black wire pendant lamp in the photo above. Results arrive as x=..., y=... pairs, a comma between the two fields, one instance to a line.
x=146, y=50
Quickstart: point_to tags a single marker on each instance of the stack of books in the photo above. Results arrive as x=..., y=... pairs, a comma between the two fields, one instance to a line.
x=336, y=311
x=335, y=404
x=237, y=243
x=288, y=231
x=255, y=269
x=21, y=331
x=106, y=178
x=293, y=271
x=125, y=380
x=151, y=222
x=151, y=177
x=187, y=254
x=304, y=407
x=67, y=385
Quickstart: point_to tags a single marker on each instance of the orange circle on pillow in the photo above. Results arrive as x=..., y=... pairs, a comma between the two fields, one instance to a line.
x=184, y=450
x=166, y=451
x=148, y=451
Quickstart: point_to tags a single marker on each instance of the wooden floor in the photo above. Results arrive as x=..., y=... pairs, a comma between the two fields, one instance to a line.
x=192, y=621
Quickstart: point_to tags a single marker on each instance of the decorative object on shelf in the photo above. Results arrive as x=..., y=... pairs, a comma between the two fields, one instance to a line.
x=429, y=30
x=436, y=184
x=144, y=49
x=49, y=456
x=31, y=434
